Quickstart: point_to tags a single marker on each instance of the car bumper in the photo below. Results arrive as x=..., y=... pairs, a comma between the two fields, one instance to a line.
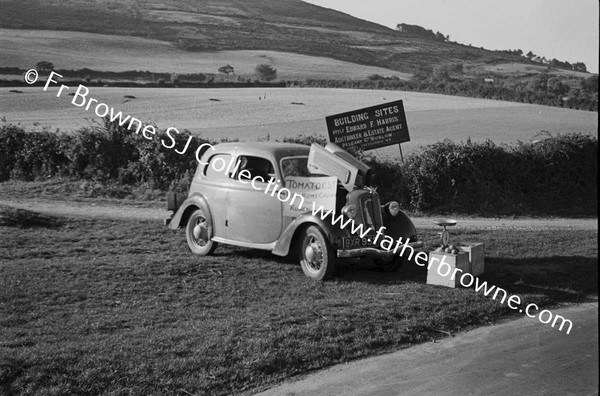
x=372, y=252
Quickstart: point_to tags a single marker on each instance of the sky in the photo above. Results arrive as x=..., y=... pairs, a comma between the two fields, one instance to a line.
x=563, y=29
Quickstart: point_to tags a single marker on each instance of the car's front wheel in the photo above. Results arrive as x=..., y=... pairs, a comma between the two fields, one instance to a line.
x=199, y=232
x=317, y=256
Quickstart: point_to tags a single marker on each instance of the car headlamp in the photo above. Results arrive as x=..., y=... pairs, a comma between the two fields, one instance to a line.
x=394, y=208
x=349, y=211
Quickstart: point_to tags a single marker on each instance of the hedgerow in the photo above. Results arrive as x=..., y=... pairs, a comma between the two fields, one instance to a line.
x=553, y=176
x=105, y=153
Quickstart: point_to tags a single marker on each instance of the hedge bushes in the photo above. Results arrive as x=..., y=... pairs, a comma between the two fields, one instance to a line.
x=107, y=153
x=554, y=176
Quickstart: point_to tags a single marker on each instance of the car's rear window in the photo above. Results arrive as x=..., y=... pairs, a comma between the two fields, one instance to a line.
x=217, y=166
x=295, y=166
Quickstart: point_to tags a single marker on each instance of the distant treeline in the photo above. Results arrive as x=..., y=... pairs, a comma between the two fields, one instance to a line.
x=553, y=176
x=137, y=78
x=543, y=89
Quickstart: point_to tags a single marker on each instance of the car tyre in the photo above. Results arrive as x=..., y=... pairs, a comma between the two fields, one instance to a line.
x=317, y=256
x=199, y=232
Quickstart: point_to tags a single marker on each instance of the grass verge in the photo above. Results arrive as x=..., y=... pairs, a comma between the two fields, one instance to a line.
x=103, y=306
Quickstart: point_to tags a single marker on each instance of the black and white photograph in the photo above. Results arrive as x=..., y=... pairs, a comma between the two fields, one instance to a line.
x=299, y=197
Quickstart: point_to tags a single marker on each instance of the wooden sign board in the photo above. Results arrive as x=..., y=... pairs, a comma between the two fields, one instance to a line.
x=369, y=128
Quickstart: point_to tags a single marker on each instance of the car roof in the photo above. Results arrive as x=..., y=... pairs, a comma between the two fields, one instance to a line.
x=276, y=149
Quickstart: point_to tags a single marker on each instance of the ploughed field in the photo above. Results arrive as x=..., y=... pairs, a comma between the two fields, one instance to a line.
x=100, y=305
x=259, y=113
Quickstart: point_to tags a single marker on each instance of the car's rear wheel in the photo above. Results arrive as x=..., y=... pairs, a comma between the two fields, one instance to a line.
x=317, y=256
x=199, y=232
x=390, y=265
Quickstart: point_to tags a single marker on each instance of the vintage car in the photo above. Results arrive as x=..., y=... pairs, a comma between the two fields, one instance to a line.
x=229, y=202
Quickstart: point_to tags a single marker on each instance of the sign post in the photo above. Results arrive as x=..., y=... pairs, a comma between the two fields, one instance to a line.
x=369, y=128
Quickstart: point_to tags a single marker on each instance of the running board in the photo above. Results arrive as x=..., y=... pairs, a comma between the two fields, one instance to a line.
x=261, y=246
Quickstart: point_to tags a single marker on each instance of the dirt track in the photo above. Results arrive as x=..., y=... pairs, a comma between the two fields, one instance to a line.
x=158, y=212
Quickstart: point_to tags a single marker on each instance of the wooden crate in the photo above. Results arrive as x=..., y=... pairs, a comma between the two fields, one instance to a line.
x=460, y=261
x=476, y=256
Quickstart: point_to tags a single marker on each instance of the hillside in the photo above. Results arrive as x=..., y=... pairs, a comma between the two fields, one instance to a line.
x=70, y=51
x=279, y=25
x=183, y=42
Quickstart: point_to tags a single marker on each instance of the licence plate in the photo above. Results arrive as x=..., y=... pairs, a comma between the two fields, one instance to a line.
x=356, y=242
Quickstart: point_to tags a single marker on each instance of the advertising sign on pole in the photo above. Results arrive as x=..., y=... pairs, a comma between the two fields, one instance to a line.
x=369, y=128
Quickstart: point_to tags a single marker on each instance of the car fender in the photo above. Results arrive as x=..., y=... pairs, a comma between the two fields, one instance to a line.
x=332, y=232
x=399, y=226
x=195, y=200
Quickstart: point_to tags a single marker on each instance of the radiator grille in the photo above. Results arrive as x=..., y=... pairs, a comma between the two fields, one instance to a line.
x=360, y=181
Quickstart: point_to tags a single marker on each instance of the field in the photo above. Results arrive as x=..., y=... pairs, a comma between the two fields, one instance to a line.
x=68, y=50
x=238, y=113
x=127, y=309
x=522, y=69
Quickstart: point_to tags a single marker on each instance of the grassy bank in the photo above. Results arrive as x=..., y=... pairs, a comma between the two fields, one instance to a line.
x=103, y=306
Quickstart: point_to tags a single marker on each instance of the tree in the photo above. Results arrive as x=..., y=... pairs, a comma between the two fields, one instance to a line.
x=441, y=73
x=590, y=84
x=227, y=69
x=457, y=68
x=580, y=67
x=375, y=77
x=44, y=67
x=530, y=55
x=556, y=86
x=266, y=72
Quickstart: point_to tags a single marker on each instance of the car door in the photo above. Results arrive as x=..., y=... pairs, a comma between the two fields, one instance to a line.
x=253, y=216
x=214, y=184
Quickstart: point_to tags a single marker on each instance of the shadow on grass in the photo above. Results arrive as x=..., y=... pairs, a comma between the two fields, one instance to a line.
x=367, y=272
x=562, y=279
x=21, y=218
x=10, y=370
x=248, y=253
x=556, y=278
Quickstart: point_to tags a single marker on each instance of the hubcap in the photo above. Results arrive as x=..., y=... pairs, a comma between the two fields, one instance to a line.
x=200, y=232
x=309, y=253
x=313, y=254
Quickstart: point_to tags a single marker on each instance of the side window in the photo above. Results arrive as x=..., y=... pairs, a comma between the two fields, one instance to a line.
x=257, y=167
x=217, y=166
x=295, y=166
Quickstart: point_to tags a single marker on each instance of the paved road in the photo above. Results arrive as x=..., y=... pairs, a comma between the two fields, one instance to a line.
x=521, y=357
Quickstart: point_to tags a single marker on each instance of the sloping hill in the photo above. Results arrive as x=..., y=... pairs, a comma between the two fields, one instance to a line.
x=279, y=25
x=23, y=48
